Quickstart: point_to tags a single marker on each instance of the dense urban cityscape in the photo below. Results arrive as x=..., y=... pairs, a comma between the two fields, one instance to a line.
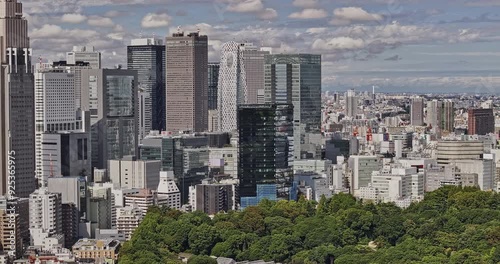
x=174, y=158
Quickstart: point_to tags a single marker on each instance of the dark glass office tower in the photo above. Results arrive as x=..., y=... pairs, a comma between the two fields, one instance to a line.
x=17, y=104
x=147, y=57
x=265, y=152
x=296, y=79
x=213, y=82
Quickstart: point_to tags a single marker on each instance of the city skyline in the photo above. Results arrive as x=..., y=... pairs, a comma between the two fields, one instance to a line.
x=396, y=45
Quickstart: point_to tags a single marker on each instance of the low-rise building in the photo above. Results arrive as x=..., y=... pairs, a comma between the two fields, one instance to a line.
x=98, y=250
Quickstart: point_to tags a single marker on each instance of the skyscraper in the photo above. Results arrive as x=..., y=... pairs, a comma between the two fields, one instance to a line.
x=76, y=69
x=254, y=60
x=17, y=123
x=147, y=56
x=265, y=152
x=232, y=89
x=481, y=122
x=112, y=102
x=213, y=82
x=296, y=79
x=417, y=111
x=351, y=104
x=441, y=115
x=433, y=115
x=57, y=115
x=448, y=116
x=187, y=82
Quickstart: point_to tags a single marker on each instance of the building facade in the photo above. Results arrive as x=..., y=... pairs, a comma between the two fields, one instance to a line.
x=187, y=82
x=17, y=113
x=112, y=102
x=417, y=111
x=296, y=78
x=481, y=122
x=232, y=87
x=265, y=150
x=147, y=57
x=213, y=83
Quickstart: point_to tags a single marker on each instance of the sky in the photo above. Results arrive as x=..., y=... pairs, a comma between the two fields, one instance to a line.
x=419, y=46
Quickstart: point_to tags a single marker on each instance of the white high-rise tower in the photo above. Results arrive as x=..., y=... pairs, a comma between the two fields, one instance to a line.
x=232, y=87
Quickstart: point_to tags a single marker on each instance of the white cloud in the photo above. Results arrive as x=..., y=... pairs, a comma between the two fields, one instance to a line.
x=268, y=14
x=349, y=15
x=309, y=13
x=305, y=3
x=245, y=6
x=152, y=20
x=255, y=7
x=338, y=43
x=316, y=30
x=73, y=18
x=46, y=31
x=98, y=21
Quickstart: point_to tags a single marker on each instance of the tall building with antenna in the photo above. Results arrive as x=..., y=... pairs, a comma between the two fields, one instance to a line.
x=17, y=122
x=186, y=82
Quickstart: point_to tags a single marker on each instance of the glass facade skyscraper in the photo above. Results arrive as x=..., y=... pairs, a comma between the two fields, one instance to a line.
x=112, y=102
x=213, y=82
x=265, y=150
x=296, y=79
x=147, y=56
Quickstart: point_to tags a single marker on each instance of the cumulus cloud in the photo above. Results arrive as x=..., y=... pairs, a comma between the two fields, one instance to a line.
x=350, y=15
x=338, y=43
x=245, y=6
x=305, y=3
x=268, y=14
x=73, y=18
x=255, y=7
x=309, y=13
x=98, y=21
x=153, y=20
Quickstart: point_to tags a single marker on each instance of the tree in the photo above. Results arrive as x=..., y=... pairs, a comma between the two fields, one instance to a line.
x=201, y=260
x=203, y=238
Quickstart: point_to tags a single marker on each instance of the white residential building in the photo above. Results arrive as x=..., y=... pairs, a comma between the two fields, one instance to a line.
x=143, y=200
x=168, y=193
x=45, y=215
x=140, y=174
x=128, y=219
